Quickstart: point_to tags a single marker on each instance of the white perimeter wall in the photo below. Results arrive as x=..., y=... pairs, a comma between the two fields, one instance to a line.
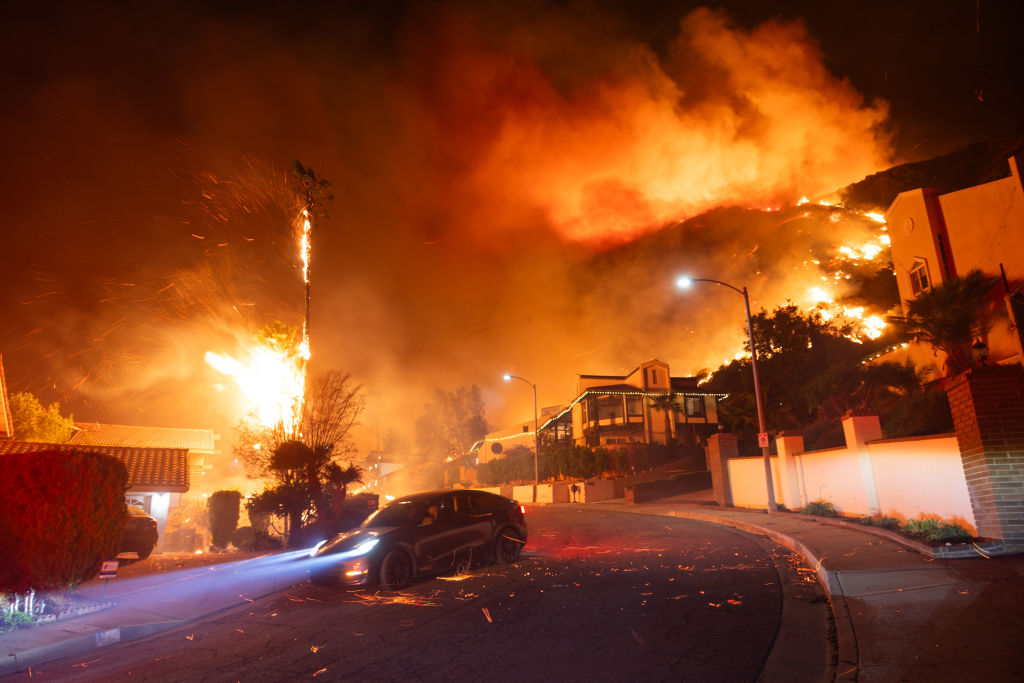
x=922, y=477
x=912, y=478
x=746, y=477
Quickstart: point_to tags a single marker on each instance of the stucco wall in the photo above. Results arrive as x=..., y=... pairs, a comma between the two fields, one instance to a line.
x=921, y=477
x=746, y=476
x=911, y=478
x=984, y=224
x=833, y=475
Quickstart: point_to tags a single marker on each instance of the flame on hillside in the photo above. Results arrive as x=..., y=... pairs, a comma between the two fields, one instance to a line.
x=821, y=297
x=824, y=282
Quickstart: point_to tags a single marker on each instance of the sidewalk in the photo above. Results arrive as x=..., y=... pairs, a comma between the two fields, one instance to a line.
x=899, y=615
x=250, y=577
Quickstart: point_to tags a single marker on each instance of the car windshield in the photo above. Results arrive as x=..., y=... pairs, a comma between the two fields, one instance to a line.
x=398, y=513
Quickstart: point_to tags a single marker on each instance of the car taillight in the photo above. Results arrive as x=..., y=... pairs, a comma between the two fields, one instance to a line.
x=522, y=509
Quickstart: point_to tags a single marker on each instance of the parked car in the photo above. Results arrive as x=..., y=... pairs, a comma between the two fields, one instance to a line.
x=140, y=534
x=422, y=533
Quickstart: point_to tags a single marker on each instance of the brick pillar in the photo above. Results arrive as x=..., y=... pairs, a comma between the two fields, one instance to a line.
x=988, y=414
x=720, y=448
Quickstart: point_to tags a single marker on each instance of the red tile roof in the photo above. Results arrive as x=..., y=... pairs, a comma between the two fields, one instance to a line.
x=143, y=437
x=149, y=469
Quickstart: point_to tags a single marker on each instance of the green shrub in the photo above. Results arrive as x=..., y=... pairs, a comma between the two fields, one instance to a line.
x=61, y=514
x=820, y=508
x=244, y=538
x=883, y=522
x=11, y=621
x=950, y=531
x=266, y=541
x=924, y=527
x=935, y=530
x=224, y=512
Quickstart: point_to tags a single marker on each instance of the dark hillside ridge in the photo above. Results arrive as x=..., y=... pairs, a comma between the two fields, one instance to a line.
x=977, y=163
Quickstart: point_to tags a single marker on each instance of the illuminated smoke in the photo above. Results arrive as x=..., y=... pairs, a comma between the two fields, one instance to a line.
x=728, y=117
x=486, y=161
x=271, y=375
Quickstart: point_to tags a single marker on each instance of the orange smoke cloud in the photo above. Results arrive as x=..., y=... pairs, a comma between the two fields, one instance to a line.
x=729, y=117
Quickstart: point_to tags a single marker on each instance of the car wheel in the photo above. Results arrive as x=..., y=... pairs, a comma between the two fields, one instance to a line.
x=507, y=546
x=395, y=570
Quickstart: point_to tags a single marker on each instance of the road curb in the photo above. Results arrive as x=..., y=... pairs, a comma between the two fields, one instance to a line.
x=846, y=638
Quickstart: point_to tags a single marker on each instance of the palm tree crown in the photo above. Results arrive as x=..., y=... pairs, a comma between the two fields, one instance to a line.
x=951, y=316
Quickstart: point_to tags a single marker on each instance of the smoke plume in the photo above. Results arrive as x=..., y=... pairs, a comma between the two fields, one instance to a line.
x=492, y=167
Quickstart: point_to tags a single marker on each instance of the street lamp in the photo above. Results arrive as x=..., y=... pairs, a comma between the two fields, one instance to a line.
x=536, y=434
x=685, y=283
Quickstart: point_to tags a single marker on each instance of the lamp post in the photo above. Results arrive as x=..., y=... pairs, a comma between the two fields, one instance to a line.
x=536, y=434
x=762, y=437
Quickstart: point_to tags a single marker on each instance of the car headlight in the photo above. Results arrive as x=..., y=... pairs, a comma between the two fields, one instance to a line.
x=361, y=549
x=316, y=548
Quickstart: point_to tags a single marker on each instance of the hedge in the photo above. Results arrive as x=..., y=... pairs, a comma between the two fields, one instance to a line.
x=61, y=514
x=224, y=512
x=582, y=462
x=643, y=491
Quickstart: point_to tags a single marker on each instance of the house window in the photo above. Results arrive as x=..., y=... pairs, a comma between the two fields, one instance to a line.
x=634, y=406
x=694, y=406
x=608, y=407
x=919, y=281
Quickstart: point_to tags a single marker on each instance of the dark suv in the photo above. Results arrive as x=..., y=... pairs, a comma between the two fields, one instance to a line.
x=140, y=534
x=420, y=533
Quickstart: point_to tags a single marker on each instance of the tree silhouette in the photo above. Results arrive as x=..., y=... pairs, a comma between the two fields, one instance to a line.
x=669, y=405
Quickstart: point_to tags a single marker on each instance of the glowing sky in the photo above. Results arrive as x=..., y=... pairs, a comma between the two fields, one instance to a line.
x=480, y=153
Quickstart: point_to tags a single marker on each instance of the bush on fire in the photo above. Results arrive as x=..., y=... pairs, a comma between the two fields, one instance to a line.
x=61, y=514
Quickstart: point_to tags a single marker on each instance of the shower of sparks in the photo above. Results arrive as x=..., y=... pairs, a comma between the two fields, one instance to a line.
x=273, y=379
x=431, y=600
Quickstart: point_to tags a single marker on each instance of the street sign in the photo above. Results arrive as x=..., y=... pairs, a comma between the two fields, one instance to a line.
x=108, y=570
x=762, y=439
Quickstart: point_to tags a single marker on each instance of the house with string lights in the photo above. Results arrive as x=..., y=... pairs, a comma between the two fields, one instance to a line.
x=645, y=406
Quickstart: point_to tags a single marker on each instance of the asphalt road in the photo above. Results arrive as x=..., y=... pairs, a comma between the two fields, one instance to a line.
x=596, y=596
